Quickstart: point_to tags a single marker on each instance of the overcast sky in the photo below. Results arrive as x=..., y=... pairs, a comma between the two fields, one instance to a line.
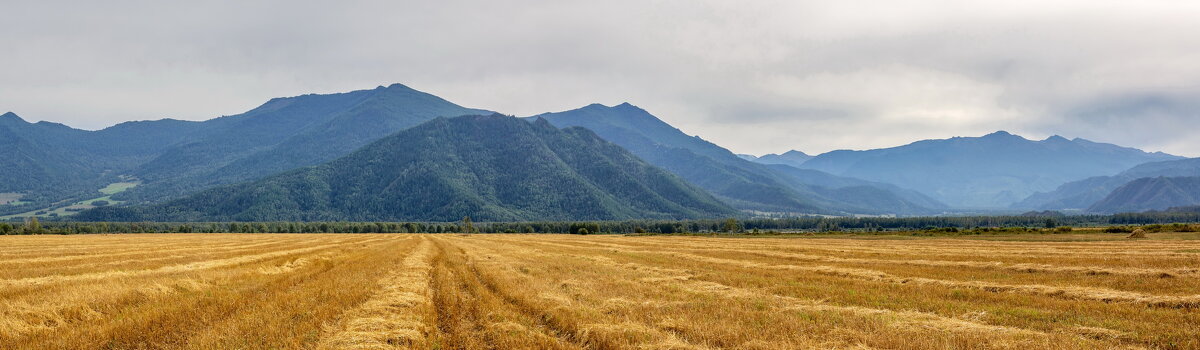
x=753, y=76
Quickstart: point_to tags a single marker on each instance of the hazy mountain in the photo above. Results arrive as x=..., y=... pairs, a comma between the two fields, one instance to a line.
x=287, y=133
x=31, y=160
x=115, y=148
x=792, y=158
x=991, y=171
x=742, y=183
x=49, y=162
x=1084, y=193
x=492, y=168
x=862, y=193
x=1151, y=193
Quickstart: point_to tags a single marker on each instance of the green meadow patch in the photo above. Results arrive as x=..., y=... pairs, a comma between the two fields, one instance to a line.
x=70, y=209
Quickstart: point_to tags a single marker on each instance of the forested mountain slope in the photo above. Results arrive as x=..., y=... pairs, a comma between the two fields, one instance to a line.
x=742, y=183
x=287, y=133
x=1085, y=193
x=1151, y=193
x=492, y=168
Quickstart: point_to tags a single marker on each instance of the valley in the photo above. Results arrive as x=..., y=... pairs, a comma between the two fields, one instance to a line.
x=11, y=198
x=71, y=208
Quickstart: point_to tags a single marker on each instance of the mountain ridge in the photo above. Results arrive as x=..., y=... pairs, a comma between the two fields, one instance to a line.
x=793, y=158
x=1084, y=193
x=491, y=168
x=50, y=162
x=990, y=171
x=286, y=133
x=747, y=185
x=1151, y=193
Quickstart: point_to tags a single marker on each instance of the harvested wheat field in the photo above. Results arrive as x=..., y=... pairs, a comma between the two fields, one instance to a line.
x=276, y=291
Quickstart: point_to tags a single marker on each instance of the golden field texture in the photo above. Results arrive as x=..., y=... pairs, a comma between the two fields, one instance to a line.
x=329, y=291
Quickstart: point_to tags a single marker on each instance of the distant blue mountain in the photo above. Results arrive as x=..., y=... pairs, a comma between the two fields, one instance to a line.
x=1084, y=193
x=745, y=184
x=50, y=162
x=1151, y=193
x=33, y=160
x=992, y=171
x=793, y=158
x=284, y=134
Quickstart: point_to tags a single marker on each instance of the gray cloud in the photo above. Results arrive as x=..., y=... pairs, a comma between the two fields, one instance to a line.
x=757, y=77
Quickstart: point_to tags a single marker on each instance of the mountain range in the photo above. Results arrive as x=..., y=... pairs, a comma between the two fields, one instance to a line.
x=793, y=158
x=744, y=184
x=49, y=161
x=286, y=133
x=491, y=168
x=992, y=171
x=287, y=159
x=172, y=158
x=1151, y=193
x=1083, y=194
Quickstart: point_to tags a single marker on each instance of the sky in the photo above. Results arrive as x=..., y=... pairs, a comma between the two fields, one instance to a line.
x=753, y=76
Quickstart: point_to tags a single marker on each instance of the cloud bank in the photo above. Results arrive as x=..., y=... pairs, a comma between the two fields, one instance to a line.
x=757, y=77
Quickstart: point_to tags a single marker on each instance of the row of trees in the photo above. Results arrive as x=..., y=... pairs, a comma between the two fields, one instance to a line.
x=30, y=227
x=799, y=224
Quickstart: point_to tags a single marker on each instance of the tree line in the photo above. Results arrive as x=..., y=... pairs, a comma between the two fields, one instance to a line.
x=796, y=224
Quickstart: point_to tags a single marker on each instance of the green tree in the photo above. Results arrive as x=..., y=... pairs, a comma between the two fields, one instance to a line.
x=583, y=228
x=731, y=225
x=32, y=226
x=468, y=227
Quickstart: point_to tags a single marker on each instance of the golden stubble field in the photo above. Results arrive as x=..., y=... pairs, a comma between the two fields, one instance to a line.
x=276, y=291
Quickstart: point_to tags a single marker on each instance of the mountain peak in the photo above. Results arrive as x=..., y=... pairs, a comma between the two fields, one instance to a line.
x=1056, y=138
x=1003, y=135
x=544, y=124
x=12, y=117
x=792, y=158
x=396, y=86
x=622, y=106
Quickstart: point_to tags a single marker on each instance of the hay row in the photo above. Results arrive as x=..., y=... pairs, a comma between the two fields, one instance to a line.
x=211, y=264
x=901, y=321
x=396, y=316
x=1071, y=292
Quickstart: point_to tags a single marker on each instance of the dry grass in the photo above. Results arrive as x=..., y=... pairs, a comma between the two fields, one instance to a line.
x=233, y=291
